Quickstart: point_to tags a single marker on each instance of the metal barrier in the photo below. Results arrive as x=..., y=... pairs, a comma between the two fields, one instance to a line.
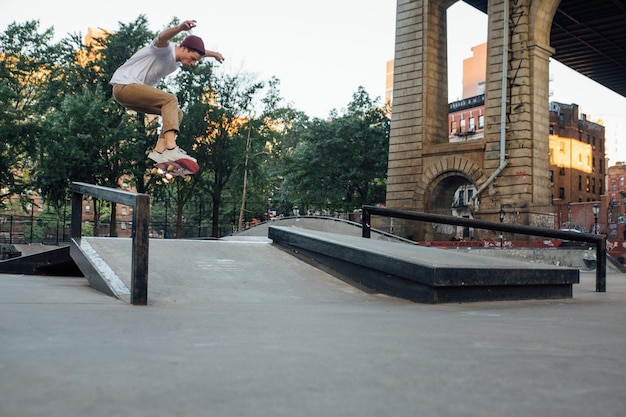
x=140, y=204
x=598, y=240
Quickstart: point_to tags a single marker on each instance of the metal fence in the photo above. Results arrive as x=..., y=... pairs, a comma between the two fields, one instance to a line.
x=45, y=229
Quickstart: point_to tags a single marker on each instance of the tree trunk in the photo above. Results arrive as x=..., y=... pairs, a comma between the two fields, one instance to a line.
x=215, y=220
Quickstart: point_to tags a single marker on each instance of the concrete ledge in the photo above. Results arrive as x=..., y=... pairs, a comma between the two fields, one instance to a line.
x=426, y=274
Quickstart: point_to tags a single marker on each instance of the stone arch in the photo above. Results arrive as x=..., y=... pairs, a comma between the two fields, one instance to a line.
x=540, y=25
x=443, y=177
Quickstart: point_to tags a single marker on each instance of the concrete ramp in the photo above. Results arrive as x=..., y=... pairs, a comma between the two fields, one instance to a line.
x=47, y=261
x=206, y=271
x=426, y=274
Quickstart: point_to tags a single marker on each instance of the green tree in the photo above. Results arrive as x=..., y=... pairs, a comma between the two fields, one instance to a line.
x=81, y=143
x=219, y=122
x=341, y=163
x=26, y=66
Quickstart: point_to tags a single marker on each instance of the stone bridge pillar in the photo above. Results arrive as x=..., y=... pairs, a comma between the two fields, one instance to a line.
x=509, y=170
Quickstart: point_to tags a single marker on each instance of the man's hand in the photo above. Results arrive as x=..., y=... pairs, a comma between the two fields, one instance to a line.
x=218, y=57
x=187, y=25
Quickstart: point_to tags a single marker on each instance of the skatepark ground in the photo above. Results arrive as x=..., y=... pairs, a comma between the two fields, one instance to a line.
x=242, y=328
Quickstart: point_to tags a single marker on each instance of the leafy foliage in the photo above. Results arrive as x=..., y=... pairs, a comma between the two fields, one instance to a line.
x=25, y=69
x=340, y=164
x=59, y=124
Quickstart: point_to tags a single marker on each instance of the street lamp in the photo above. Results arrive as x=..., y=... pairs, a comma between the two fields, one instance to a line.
x=501, y=213
x=596, y=210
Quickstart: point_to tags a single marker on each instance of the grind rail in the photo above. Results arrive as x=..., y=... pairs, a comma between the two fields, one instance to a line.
x=140, y=204
x=598, y=240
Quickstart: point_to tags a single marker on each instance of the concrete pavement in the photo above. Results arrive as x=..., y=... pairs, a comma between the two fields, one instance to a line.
x=241, y=328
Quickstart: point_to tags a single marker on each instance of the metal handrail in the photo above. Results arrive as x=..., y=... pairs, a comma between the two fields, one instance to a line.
x=598, y=240
x=141, y=226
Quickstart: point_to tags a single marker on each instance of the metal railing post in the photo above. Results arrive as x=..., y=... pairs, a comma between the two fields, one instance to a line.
x=141, y=228
x=601, y=265
x=77, y=215
x=366, y=223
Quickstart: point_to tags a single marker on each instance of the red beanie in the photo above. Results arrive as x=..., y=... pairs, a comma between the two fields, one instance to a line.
x=195, y=43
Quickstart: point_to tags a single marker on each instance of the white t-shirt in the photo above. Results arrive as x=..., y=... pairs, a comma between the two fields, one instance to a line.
x=147, y=66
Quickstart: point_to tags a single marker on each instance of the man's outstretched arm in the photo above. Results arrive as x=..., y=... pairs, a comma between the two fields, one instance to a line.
x=164, y=37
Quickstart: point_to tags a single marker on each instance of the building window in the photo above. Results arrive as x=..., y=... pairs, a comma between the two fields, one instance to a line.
x=562, y=171
x=562, y=193
x=462, y=127
x=472, y=124
x=453, y=126
x=580, y=183
x=481, y=121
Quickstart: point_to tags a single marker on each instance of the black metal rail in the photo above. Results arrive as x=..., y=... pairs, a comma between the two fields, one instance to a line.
x=140, y=204
x=598, y=240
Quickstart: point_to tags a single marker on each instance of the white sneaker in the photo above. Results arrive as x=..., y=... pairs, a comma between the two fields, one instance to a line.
x=157, y=157
x=176, y=154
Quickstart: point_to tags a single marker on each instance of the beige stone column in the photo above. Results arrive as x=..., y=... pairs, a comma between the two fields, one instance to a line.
x=523, y=186
x=420, y=101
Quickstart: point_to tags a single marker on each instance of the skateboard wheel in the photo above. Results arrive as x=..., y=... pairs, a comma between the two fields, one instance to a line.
x=168, y=176
x=170, y=168
x=154, y=171
x=187, y=178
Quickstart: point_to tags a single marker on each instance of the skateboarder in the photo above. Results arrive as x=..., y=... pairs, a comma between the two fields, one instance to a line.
x=134, y=84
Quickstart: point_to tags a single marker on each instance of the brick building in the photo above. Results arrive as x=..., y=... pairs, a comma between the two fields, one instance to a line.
x=577, y=159
x=616, y=200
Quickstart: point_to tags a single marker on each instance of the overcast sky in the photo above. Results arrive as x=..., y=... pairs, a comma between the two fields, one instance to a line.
x=321, y=50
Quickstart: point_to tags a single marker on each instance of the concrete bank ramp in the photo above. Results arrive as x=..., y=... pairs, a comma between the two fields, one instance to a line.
x=199, y=271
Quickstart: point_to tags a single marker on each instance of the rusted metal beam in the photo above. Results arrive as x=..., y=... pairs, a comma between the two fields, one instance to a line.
x=140, y=204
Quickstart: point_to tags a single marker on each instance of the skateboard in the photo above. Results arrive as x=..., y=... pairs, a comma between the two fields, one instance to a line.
x=180, y=168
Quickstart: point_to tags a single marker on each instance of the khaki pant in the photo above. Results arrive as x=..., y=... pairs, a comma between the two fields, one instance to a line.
x=147, y=99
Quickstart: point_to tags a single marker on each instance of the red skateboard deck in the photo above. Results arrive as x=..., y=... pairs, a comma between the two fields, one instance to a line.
x=179, y=168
